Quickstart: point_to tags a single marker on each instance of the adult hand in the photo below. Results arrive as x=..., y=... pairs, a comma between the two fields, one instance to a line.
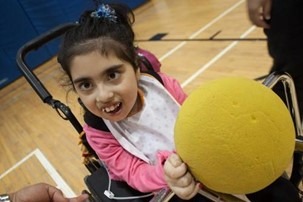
x=259, y=12
x=43, y=192
x=179, y=179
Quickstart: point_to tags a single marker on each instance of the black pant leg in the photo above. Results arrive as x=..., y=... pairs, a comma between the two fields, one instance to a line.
x=285, y=41
x=281, y=190
x=285, y=46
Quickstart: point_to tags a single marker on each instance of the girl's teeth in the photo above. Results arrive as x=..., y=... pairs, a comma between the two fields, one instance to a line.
x=110, y=109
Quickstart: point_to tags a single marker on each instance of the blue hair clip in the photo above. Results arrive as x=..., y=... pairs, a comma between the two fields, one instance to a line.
x=106, y=12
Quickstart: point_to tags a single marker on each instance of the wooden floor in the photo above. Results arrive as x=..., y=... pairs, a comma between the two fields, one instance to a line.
x=203, y=40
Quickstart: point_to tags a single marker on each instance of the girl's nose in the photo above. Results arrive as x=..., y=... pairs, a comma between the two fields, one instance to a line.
x=104, y=95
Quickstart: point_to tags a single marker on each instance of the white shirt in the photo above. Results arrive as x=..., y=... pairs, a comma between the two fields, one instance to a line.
x=152, y=129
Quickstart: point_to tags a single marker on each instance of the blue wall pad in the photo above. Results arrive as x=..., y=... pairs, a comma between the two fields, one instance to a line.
x=23, y=20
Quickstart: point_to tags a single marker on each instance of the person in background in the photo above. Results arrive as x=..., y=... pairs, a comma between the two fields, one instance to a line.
x=40, y=192
x=283, y=27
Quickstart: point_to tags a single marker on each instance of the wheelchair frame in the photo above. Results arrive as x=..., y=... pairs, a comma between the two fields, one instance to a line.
x=94, y=165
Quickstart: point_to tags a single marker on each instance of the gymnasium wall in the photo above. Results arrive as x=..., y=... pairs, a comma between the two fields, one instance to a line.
x=23, y=20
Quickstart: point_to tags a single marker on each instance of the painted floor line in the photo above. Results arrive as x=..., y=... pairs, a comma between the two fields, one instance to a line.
x=17, y=164
x=61, y=184
x=202, y=29
x=216, y=58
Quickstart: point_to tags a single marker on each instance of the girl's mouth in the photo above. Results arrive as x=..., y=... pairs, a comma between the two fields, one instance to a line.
x=112, y=109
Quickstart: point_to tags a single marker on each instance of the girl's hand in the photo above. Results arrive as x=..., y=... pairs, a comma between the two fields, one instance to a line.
x=179, y=179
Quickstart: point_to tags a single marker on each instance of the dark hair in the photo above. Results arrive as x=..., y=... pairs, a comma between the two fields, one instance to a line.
x=106, y=34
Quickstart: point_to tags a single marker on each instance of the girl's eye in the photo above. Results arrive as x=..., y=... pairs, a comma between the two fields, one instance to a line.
x=84, y=86
x=113, y=75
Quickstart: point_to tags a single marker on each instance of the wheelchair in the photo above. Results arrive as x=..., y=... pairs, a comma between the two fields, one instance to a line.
x=100, y=186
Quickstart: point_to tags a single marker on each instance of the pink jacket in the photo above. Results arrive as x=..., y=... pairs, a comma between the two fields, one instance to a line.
x=124, y=166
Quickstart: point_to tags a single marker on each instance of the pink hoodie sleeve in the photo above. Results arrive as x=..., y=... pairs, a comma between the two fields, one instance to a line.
x=123, y=165
x=173, y=87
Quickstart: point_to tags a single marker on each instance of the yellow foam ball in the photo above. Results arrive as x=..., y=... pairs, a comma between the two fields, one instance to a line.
x=235, y=134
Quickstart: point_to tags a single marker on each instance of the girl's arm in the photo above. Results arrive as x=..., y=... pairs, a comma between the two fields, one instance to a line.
x=124, y=166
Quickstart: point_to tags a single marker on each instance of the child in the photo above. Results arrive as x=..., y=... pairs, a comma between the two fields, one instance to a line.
x=135, y=112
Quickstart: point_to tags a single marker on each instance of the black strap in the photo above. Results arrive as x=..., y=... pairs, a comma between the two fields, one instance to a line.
x=149, y=69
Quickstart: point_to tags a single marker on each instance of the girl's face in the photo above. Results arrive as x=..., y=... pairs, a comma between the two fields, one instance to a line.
x=107, y=86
